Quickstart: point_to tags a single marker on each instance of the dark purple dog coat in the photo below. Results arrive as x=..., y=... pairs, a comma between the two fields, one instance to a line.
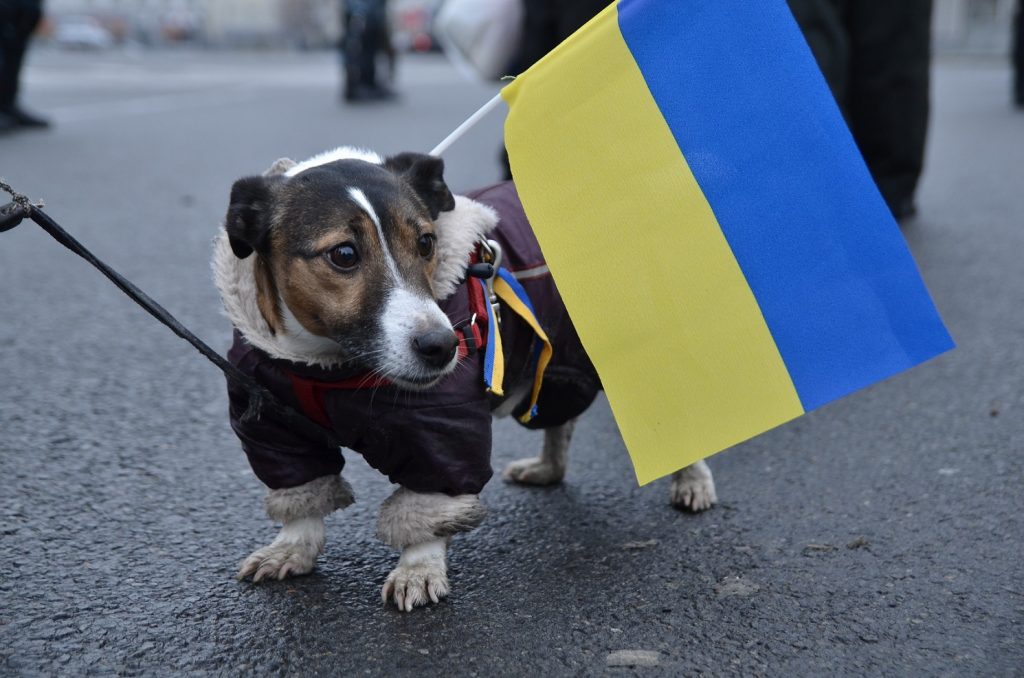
x=438, y=440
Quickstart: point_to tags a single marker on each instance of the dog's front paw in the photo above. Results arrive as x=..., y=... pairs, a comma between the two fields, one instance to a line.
x=292, y=553
x=533, y=471
x=412, y=586
x=693, y=488
x=278, y=561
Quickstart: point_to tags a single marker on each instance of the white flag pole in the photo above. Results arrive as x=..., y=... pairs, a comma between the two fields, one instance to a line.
x=464, y=127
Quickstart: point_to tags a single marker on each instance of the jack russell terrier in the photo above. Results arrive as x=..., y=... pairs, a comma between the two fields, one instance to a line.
x=361, y=292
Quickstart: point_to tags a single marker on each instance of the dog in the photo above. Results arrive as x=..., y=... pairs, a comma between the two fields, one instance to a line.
x=361, y=292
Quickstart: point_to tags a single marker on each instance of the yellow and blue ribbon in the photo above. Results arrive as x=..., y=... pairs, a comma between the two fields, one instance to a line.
x=515, y=298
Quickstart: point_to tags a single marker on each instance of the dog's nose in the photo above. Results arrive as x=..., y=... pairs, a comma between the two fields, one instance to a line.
x=436, y=347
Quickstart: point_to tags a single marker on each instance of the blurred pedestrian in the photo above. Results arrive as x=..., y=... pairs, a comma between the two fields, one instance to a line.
x=366, y=34
x=876, y=57
x=1018, y=55
x=18, y=19
x=546, y=23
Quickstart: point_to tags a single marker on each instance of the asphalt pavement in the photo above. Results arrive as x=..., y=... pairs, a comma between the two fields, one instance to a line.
x=880, y=535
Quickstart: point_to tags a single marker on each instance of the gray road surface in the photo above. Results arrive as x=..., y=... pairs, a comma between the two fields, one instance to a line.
x=881, y=535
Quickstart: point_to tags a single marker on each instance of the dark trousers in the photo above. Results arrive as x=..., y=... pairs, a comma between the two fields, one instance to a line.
x=876, y=57
x=18, y=18
x=1018, y=55
x=548, y=22
x=365, y=24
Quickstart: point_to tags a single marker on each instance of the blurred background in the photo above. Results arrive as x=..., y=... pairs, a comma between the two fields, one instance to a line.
x=965, y=26
x=222, y=24
x=880, y=535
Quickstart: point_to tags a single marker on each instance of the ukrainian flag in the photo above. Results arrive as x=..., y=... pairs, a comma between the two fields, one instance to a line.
x=719, y=243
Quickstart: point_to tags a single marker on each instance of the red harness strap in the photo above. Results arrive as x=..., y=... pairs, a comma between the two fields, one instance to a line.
x=311, y=392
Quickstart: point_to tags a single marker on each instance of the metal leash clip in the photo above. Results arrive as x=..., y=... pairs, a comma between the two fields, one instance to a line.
x=490, y=253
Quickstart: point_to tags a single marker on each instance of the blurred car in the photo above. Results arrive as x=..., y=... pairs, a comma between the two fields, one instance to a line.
x=81, y=32
x=412, y=25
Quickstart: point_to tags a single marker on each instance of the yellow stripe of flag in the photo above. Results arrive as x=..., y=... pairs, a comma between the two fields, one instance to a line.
x=688, y=363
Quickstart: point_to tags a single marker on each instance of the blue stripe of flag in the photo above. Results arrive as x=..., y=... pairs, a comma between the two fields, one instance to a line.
x=758, y=127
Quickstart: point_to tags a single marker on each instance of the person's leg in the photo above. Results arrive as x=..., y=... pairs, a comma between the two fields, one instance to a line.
x=574, y=13
x=539, y=37
x=12, y=49
x=1018, y=55
x=539, y=32
x=821, y=22
x=352, y=47
x=370, y=45
x=387, y=48
x=17, y=22
x=888, y=97
x=365, y=27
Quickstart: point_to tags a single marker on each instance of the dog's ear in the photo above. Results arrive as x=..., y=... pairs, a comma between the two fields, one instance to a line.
x=425, y=173
x=248, y=219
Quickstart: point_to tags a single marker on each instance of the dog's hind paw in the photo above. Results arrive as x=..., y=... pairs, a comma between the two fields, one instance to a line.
x=693, y=488
x=278, y=561
x=411, y=586
x=533, y=471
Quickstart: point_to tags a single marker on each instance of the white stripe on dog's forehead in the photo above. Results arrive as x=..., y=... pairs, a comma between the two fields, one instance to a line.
x=360, y=199
x=364, y=202
x=342, y=153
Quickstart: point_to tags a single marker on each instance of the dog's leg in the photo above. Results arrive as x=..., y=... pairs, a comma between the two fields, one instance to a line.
x=693, y=488
x=549, y=467
x=301, y=511
x=420, y=525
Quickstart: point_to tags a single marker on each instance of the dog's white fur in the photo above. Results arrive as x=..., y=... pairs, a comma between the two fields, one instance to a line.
x=421, y=576
x=408, y=518
x=419, y=525
x=340, y=153
x=293, y=552
x=549, y=467
x=316, y=498
x=693, y=488
x=407, y=314
x=457, y=232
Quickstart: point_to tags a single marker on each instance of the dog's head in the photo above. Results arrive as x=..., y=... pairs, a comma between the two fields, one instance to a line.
x=346, y=260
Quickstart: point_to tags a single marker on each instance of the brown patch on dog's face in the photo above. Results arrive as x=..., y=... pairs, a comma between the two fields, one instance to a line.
x=325, y=258
x=267, y=297
x=410, y=232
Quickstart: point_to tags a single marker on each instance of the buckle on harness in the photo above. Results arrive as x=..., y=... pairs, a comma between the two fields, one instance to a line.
x=465, y=328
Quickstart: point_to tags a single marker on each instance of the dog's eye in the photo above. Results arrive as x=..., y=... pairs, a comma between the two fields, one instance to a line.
x=425, y=245
x=344, y=256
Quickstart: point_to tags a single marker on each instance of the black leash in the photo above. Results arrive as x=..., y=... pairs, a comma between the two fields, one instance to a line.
x=261, y=401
